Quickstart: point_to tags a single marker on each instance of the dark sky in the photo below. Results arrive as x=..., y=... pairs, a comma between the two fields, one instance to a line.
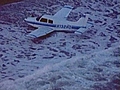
x=2, y=2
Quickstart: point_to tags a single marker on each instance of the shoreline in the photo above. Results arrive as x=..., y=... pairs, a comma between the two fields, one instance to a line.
x=8, y=1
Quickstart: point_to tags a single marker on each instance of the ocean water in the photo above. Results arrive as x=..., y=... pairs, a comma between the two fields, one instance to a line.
x=61, y=60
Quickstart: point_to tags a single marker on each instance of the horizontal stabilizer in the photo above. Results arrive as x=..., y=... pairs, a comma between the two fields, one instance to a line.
x=40, y=32
x=80, y=30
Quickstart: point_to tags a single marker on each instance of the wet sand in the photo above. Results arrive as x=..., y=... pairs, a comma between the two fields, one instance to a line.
x=2, y=2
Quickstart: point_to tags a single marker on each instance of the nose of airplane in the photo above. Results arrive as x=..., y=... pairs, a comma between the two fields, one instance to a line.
x=25, y=19
x=30, y=19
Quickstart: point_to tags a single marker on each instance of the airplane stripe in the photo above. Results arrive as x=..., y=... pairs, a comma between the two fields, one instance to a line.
x=41, y=24
x=55, y=25
x=77, y=27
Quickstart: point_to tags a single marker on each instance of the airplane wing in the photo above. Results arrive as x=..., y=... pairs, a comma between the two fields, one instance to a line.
x=41, y=31
x=64, y=12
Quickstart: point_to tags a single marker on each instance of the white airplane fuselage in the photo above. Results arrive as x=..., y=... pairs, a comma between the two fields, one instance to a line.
x=57, y=24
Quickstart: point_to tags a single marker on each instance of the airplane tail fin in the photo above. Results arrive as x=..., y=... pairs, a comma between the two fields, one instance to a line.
x=83, y=20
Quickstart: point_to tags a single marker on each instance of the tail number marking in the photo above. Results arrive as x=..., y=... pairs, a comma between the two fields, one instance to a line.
x=64, y=26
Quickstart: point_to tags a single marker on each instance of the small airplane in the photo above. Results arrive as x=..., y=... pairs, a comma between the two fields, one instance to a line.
x=57, y=22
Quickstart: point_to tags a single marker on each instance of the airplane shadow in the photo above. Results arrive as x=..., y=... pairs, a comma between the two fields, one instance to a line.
x=40, y=39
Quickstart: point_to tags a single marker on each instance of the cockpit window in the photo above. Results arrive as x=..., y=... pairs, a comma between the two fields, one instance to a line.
x=43, y=20
x=50, y=21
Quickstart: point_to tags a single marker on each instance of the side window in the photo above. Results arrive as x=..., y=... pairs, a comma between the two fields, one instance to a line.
x=50, y=21
x=43, y=20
